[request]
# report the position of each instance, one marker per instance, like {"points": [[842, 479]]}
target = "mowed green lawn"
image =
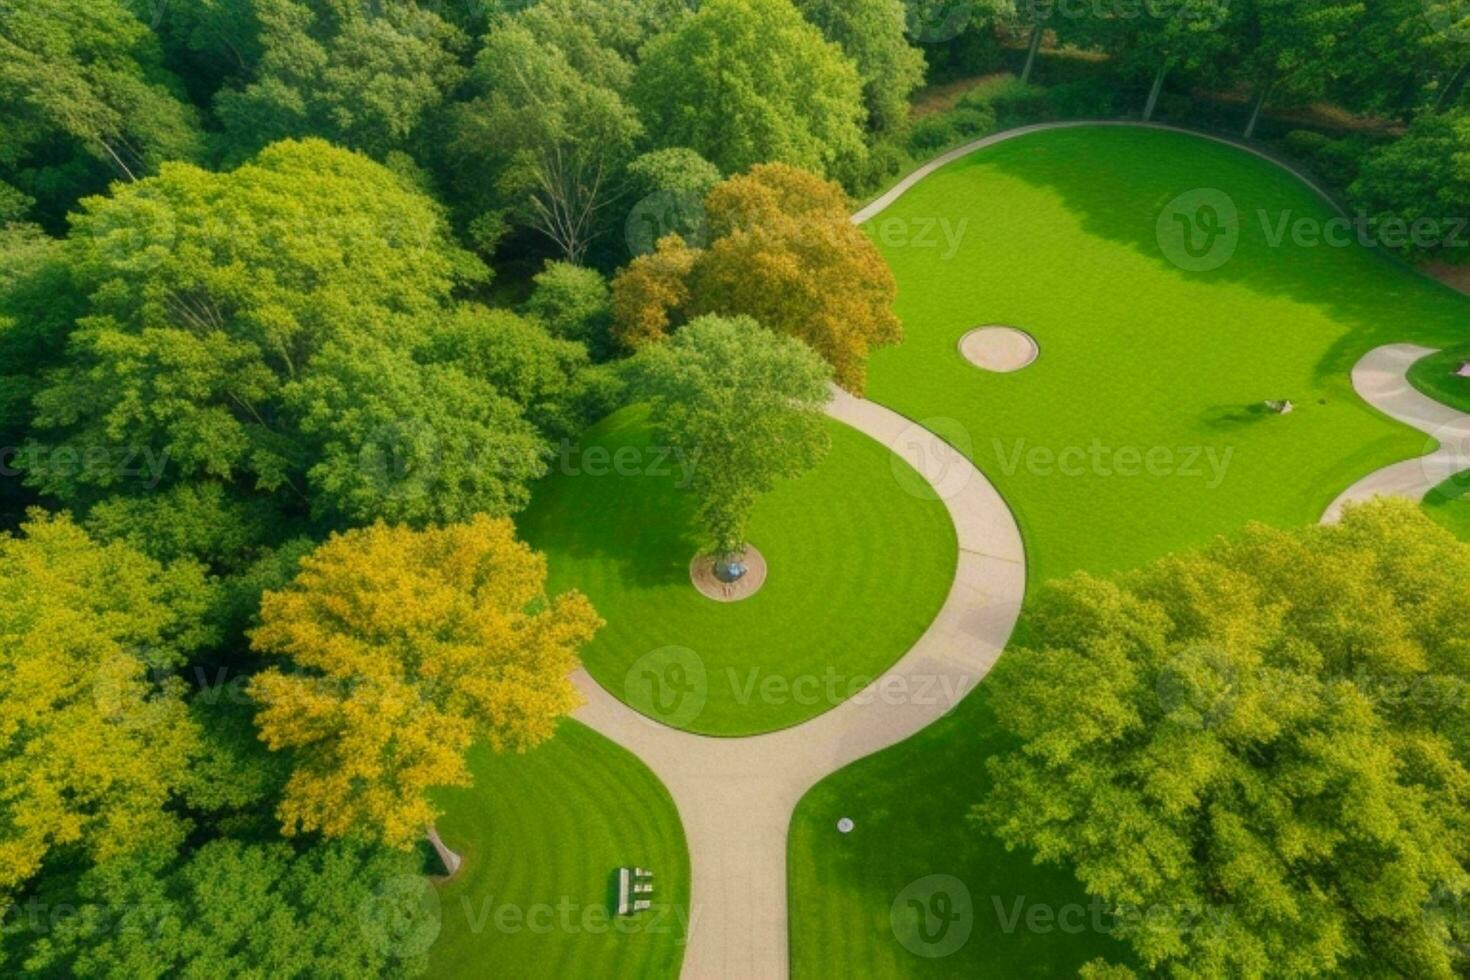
{"points": [[542, 835], [858, 568], [1138, 432], [1435, 376]]}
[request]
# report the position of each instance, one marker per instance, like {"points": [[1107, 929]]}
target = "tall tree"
{"points": [[271, 330], [1185, 36], [744, 82], [550, 118], [1289, 47], [1256, 755], [1421, 181], [743, 401], [84, 82], [363, 75], [784, 252], [94, 731], [873, 33], [403, 648]]}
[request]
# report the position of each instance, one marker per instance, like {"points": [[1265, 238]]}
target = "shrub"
{"points": [[1083, 99], [1336, 162], [1012, 101], [943, 130]]}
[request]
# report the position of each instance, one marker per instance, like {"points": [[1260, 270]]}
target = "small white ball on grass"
{"points": [[845, 825]]}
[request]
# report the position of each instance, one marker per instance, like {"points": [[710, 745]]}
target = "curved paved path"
{"points": [[1381, 379], [736, 796]]}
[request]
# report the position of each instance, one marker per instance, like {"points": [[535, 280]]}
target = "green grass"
{"points": [[1448, 503], [858, 569], [1435, 376], [1138, 356], [542, 835]]}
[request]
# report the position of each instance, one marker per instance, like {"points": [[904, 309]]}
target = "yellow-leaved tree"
{"points": [[94, 730], [404, 647], [782, 251]]}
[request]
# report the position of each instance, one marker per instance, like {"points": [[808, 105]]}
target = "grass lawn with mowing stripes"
{"points": [[1139, 431], [859, 566], [542, 835]]}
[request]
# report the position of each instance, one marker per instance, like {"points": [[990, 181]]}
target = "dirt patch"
{"points": [[1454, 276], [1000, 349]]}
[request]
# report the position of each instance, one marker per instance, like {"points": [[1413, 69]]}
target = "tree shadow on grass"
{"points": [[1133, 176], [617, 498]]}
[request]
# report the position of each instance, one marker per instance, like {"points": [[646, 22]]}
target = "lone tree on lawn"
{"points": [[1258, 755], [404, 648], [746, 404]]}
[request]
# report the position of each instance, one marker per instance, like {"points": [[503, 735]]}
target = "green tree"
{"points": [[574, 303], [1420, 180], [1256, 755], [271, 330], [1289, 48], [94, 731], [744, 82], [410, 442], [1185, 36], [668, 188], [1405, 56], [236, 908], [37, 305], [80, 83], [549, 117], [363, 75], [746, 404], [873, 33]]}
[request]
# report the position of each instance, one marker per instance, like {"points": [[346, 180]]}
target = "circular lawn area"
{"points": [[858, 568]]}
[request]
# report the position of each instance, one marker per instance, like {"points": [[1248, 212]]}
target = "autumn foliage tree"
{"points": [[1257, 755], [783, 251], [403, 648], [94, 730]]}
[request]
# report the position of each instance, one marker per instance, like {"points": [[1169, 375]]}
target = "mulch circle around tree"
{"points": [[702, 574]]}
